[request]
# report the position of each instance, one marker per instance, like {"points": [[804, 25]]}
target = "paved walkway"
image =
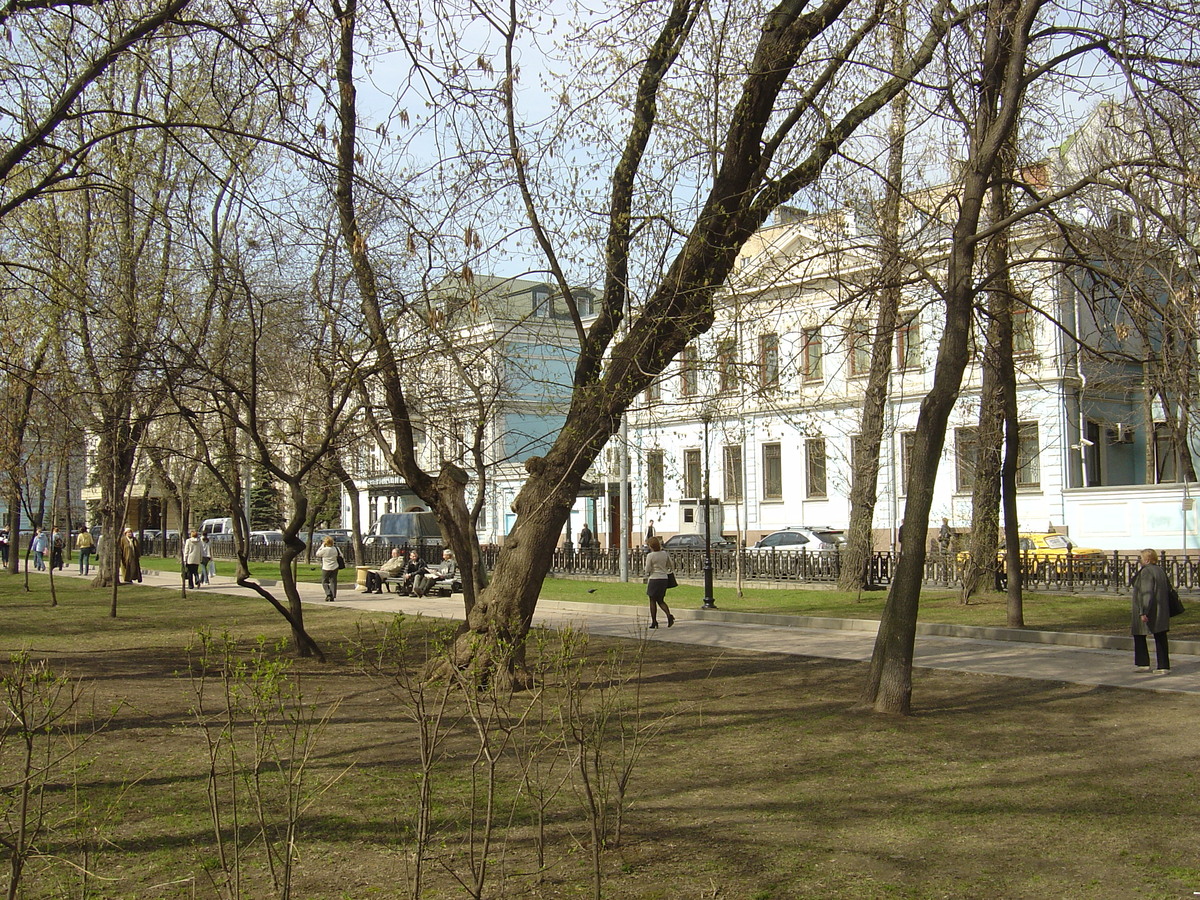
{"points": [[1079, 659]]}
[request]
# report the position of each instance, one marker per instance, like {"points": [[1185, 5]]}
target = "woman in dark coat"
{"points": [[1151, 613]]}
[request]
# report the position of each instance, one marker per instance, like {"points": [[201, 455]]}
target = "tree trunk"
{"points": [[864, 487], [889, 686]]}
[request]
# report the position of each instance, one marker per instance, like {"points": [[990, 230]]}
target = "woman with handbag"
{"points": [[660, 572], [1151, 614]]}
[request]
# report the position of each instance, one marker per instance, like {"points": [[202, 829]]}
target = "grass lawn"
{"points": [[750, 775]]}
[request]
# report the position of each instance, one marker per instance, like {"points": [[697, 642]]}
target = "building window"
{"points": [[727, 365], [687, 372], [733, 471], [858, 341], [656, 476], [693, 482], [966, 456], [908, 342], [583, 304], [1024, 329], [654, 391], [1029, 469], [1166, 454], [772, 467], [541, 302], [815, 466], [812, 354], [768, 361]]}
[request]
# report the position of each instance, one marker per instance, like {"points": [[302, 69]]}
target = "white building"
{"points": [[780, 380]]}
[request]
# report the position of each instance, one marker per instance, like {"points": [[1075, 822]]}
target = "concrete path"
{"points": [[1075, 658]]}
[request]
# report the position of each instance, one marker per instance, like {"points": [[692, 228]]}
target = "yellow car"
{"points": [[1046, 552]]}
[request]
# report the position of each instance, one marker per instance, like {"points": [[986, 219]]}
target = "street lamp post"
{"points": [[709, 603]]}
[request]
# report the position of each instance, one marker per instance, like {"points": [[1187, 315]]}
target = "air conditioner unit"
{"points": [[1120, 434]]}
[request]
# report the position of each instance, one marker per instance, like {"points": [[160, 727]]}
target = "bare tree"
{"points": [[779, 128]]}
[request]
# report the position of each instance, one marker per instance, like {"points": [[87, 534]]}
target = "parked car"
{"points": [[407, 529], [800, 537], [1048, 551], [696, 542], [266, 537], [339, 535]]}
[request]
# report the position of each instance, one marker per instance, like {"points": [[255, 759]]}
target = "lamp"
{"points": [[709, 603]]}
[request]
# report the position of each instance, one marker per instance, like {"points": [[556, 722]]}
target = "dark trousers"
{"points": [[329, 581], [1141, 652], [374, 582], [190, 572]]}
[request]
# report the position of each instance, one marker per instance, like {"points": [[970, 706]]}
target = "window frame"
{"points": [[734, 481], [693, 474], [812, 353], [772, 470], [816, 468], [656, 476], [768, 361]]}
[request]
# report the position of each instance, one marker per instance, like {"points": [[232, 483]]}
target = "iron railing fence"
{"points": [[1049, 572]]}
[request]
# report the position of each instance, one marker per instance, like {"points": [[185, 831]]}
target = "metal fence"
{"points": [[1038, 571]]}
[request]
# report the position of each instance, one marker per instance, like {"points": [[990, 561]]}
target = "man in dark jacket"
{"points": [[1151, 613]]}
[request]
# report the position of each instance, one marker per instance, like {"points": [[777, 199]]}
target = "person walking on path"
{"points": [[208, 568], [57, 545], [658, 568], [193, 556], [330, 559], [85, 545], [130, 552], [38, 545], [1151, 613]]}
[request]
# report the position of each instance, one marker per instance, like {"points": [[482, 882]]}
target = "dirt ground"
{"points": [[758, 778]]}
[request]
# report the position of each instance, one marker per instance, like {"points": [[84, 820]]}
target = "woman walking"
{"points": [[1151, 614], [329, 556], [658, 570]]}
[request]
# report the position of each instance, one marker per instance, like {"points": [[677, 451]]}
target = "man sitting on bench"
{"points": [[410, 571], [444, 577], [390, 569]]}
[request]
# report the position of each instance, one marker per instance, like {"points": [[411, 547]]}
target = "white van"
{"points": [[217, 526]]}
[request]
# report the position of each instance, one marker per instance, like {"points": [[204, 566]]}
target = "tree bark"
{"points": [[889, 685], [864, 488]]}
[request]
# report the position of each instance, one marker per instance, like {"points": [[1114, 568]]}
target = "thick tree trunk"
{"points": [[979, 572]]}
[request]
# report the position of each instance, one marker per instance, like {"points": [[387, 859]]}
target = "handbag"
{"points": [[341, 560], [672, 581], [1174, 604]]}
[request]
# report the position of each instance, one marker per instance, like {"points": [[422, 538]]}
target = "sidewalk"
{"points": [[1011, 653]]}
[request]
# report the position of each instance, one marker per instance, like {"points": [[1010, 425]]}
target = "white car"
{"points": [[800, 537]]}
